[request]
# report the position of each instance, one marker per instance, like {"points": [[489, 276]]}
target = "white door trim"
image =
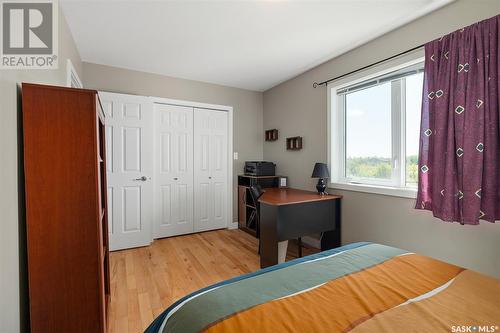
{"points": [[214, 107]]}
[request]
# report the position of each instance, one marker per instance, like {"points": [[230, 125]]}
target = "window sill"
{"points": [[376, 189]]}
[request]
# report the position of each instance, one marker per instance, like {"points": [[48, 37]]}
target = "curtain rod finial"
{"points": [[315, 85]]}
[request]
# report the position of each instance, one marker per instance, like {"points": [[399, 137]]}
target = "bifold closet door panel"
{"points": [[174, 170], [129, 162], [218, 163], [210, 169]]}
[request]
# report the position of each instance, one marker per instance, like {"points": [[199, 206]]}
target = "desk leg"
{"points": [[268, 235], [331, 238]]}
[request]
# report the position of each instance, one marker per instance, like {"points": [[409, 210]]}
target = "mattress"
{"points": [[361, 287]]}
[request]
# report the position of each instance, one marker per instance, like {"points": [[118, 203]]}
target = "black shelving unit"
{"points": [[246, 206]]}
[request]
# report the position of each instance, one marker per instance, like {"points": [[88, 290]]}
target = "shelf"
{"points": [[252, 232], [258, 177], [271, 135], [294, 143]]}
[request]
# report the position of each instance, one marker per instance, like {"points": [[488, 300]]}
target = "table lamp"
{"points": [[321, 171]]}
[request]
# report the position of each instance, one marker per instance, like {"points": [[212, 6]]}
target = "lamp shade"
{"points": [[320, 171]]}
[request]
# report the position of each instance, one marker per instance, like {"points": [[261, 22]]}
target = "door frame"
{"points": [[230, 224]]}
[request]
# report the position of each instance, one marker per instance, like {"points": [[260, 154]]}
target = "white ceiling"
{"points": [[246, 44]]}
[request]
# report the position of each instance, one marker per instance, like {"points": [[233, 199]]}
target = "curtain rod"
{"points": [[316, 84]]}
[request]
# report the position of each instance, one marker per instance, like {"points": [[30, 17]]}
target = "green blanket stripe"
{"points": [[210, 307]]}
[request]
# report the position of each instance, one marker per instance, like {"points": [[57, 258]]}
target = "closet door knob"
{"points": [[175, 178], [209, 177], [142, 179]]}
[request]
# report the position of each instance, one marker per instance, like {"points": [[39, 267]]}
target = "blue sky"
{"points": [[369, 113]]}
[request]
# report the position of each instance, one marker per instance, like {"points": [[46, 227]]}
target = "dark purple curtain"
{"points": [[459, 162]]}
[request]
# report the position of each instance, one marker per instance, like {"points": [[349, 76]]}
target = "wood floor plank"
{"points": [[145, 281]]}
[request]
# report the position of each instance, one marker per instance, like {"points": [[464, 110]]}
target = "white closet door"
{"points": [[129, 160], [174, 170], [210, 165]]}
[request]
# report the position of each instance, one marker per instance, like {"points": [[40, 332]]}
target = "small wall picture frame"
{"points": [[294, 143], [282, 181], [271, 135]]}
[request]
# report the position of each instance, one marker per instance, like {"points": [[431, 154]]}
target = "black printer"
{"points": [[260, 168]]}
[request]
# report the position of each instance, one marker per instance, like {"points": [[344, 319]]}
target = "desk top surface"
{"points": [[289, 196], [249, 176]]}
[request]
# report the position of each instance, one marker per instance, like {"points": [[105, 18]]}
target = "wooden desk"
{"points": [[289, 213]]}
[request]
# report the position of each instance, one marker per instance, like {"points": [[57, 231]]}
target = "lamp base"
{"points": [[321, 186]]}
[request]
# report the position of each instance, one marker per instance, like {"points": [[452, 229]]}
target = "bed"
{"points": [[361, 287]]}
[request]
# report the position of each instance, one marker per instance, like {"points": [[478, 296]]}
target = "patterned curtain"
{"points": [[459, 162]]}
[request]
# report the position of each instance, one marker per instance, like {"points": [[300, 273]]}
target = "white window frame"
{"points": [[72, 78], [336, 131]]}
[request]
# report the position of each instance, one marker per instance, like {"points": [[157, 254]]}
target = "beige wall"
{"points": [[247, 105], [295, 108], [13, 284]]}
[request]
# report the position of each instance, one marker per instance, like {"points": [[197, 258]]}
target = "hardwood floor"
{"points": [[145, 281]]}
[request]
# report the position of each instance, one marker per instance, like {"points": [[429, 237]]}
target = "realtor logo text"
{"points": [[29, 35]]}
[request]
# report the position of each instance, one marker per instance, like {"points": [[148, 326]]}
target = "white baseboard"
{"points": [[233, 225], [311, 241]]}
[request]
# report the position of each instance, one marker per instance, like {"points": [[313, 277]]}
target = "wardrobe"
{"points": [[66, 213], [171, 170]]}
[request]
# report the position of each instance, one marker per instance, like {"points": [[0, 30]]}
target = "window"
{"points": [[413, 105], [374, 130], [72, 79]]}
